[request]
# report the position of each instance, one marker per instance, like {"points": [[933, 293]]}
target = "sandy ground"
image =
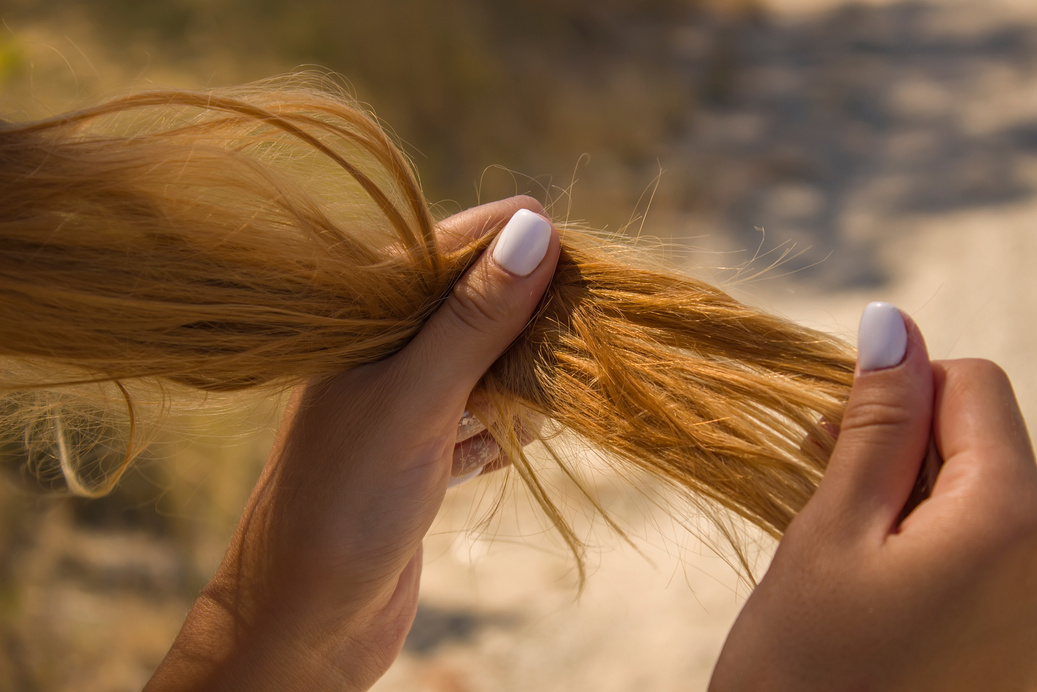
{"points": [[938, 205]]}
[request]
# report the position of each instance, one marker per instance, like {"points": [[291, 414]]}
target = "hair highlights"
{"points": [[178, 241]]}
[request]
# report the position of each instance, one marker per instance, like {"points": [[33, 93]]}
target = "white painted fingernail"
{"points": [[458, 480], [523, 243], [882, 337]]}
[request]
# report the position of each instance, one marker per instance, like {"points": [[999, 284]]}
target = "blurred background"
{"points": [[870, 150]]}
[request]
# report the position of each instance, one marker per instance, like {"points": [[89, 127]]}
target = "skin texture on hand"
{"points": [[320, 585], [945, 599]]}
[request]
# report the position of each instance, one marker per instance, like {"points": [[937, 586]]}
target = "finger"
{"points": [[477, 417], [485, 312], [474, 453], [977, 414], [482, 453], [885, 432], [480, 415], [469, 426], [454, 232]]}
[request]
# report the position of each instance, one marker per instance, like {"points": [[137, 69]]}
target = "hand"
{"points": [[320, 585], [945, 599]]}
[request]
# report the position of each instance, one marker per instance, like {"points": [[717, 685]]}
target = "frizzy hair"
{"points": [[263, 236]]}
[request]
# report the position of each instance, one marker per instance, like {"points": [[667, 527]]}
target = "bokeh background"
{"points": [[811, 154]]}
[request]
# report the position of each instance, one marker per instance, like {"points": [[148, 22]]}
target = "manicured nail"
{"points": [[475, 453], [469, 426], [523, 243], [882, 337], [458, 480]]}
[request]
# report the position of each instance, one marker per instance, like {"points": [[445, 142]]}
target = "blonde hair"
{"points": [[264, 236]]}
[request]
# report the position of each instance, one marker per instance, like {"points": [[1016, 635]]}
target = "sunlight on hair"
{"points": [[260, 237]]}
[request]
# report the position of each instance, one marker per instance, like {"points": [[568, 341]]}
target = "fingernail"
{"points": [[469, 426], [458, 480], [475, 453], [882, 337], [523, 243]]}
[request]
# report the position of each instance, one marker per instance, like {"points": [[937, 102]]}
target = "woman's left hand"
{"points": [[320, 585]]}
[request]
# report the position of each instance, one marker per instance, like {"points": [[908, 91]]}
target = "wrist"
{"points": [[222, 647]]}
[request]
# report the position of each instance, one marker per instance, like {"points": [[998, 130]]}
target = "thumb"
{"points": [[487, 309], [885, 431]]}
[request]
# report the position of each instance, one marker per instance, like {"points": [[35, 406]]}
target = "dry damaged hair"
{"points": [[261, 237]]}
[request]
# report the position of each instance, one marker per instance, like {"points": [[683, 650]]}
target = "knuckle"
{"points": [[473, 309], [878, 413], [1006, 534], [982, 369], [966, 377], [1004, 518], [1019, 513]]}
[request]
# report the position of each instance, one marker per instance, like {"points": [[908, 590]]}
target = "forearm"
{"points": [[217, 649]]}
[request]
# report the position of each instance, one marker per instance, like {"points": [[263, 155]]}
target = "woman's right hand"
{"points": [[944, 600]]}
